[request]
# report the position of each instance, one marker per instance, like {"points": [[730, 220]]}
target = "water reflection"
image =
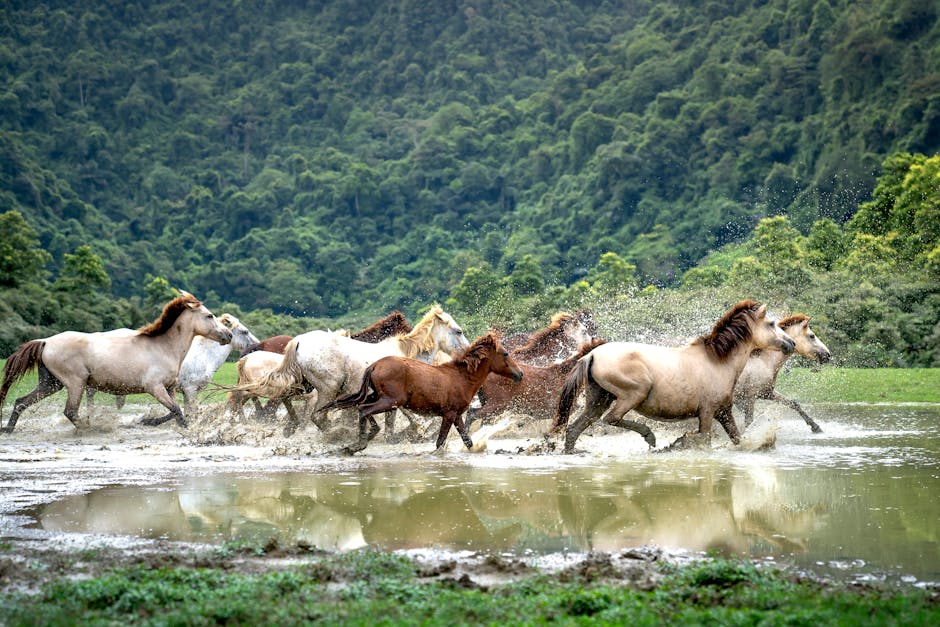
{"points": [[859, 494]]}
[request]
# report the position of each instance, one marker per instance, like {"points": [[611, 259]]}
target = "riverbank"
{"points": [[297, 585]]}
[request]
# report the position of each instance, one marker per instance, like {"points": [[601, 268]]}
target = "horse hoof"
{"points": [[6, 429], [816, 428]]}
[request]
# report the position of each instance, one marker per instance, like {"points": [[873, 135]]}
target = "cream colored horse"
{"points": [[759, 377], [333, 364], [146, 362], [670, 384]]}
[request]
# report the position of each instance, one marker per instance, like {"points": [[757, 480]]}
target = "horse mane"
{"points": [[228, 320], [171, 312], [794, 319], [477, 351], [731, 330], [419, 339], [383, 328], [542, 335]]}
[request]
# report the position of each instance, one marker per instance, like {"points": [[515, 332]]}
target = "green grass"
{"points": [[862, 385], [375, 588]]}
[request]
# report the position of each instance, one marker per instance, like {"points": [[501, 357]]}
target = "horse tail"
{"points": [[284, 380], [580, 374], [353, 398], [25, 359]]}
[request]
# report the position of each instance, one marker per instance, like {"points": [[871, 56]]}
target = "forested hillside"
{"points": [[345, 158]]}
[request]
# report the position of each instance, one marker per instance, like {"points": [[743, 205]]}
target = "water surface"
{"points": [[859, 499]]}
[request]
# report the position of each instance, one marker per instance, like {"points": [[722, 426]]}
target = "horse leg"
{"points": [[293, 420], [390, 428], [616, 418], [47, 384], [119, 401], [796, 407], [74, 399], [747, 406], [726, 419], [596, 402], [446, 422], [368, 427], [462, 430], [166, 399]]}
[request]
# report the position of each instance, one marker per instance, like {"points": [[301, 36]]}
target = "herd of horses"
{"points": [[430, 369]]}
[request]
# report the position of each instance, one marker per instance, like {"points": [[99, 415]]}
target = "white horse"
{"points": [[333, 364], [202, 360], [759, 377]]}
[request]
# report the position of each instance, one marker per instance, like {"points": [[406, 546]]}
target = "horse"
{"points": [[759, 377], [534, 395], [254, 368], [332, 363], [443, 390], [392, 324], [670, 383], [203, 358], [559, 340], [274, 344], [146, 362]]}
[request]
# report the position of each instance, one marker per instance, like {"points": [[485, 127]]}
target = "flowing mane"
{"points": [[171, 312], [477, 352], [789, 321], [393, 322], [553, 329], [731, 330], [421, 339]]}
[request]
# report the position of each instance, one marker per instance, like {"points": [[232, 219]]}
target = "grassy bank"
{"points": [[376, 588], [825, 385]]}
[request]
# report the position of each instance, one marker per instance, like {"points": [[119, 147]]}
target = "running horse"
{"points": [[535, 395], [563, 336], [332, 363], [257, 361], [146, 362], [669, 383], [758, 380], [443, 390]]}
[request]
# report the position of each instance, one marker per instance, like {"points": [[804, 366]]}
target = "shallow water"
{"points": [[856, 501]]}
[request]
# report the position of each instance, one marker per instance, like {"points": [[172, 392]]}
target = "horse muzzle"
{"points": [[224, 338], [517, 375], [787, 346], [823, 356]]}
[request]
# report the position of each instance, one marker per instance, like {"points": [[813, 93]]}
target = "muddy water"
{"points": [[859, 500]]}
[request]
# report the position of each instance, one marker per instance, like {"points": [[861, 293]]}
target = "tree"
{"points": [[83, 271], [613, 275], [526, 277], [22, 259]]}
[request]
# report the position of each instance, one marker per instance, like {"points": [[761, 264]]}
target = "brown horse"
{"points": [[670, 384], [444, 390], [147, 361], [274, 344], [535, 395], [563, 336], [758, 380]]}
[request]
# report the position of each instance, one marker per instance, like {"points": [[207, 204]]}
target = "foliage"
{"points": [[345, 589]]}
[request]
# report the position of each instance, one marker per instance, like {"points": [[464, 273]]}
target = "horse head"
{"points": [[242, 338], [767, 333], [807, 343], [205, 323], [489, 347], [438, 332]]}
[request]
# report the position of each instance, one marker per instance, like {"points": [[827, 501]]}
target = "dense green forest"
{"points": [[302, 163]]}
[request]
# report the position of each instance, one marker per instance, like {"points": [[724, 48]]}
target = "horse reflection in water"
{"points": [[582, 509]]}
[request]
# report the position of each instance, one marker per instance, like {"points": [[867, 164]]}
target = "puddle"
{"points": [[856, 501]]}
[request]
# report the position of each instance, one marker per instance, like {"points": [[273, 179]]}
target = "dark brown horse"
{"points": [[563, 336], [273, 344], [392, 324], [444, 390], [535, 395]]}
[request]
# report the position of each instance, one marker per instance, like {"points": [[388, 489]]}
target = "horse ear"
{"points": [[762, 312]]}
